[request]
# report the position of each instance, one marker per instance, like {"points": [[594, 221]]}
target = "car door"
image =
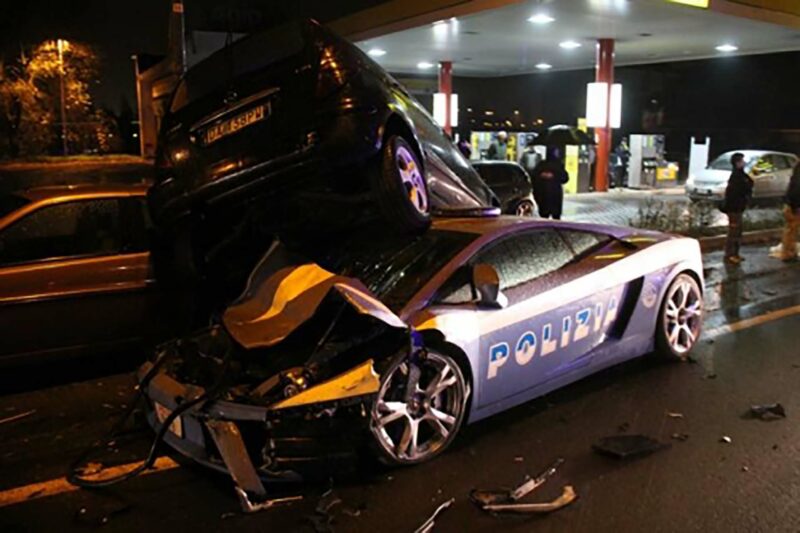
{"points": [[763, 174], [783, 173], [71, 277], [547, 329]]}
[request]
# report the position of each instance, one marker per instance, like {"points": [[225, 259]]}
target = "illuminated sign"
{"points": [[602, 107], [439, 106], [694, 3]]}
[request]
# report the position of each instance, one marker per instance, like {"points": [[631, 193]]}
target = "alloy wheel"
{"points": [[683, 315], [413, 180], [419, 409]]}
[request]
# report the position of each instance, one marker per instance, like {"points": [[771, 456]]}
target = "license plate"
{"points": [[162, 413], [240, 121]]}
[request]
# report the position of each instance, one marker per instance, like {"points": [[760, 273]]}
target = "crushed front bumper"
{"points": [[254, 443]]}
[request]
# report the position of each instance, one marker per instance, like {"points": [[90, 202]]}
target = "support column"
{"points": [[604, 74], [446, 87]]}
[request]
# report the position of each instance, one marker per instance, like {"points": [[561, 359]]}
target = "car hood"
{"points": [[708, 175], [276, 304]]}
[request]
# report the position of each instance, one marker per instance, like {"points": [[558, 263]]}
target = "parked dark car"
{"points": [[75, 275], [290, 129], [511, 184]]}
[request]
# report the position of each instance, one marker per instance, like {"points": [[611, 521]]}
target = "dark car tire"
{"points": [[680, 318], [435, 417], [524, 208], [400, 187]]}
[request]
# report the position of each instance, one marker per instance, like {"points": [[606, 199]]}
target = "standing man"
{"points": [[548, 178], [791, 211], [737, 196], [499, 147]]}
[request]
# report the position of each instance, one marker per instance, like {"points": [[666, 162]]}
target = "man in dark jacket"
{"points": [[498, 150], [791, 211], [737, 195], [548, 178]]}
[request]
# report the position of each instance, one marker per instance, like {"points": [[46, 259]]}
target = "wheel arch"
{"points": [[437, 340], [398, 125]]}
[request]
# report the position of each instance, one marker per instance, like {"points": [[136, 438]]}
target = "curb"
{"points": [[717, 242]]}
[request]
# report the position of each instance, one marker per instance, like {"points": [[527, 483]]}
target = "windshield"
{"points": [[723, 162], [394, 269], [10, 203]]}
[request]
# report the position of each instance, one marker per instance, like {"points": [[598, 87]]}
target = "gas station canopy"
{"points": [[525, 37]]}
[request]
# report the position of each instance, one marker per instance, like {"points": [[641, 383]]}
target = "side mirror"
{"points": [[487, 284]]}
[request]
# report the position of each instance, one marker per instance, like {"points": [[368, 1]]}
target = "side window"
{"points": [[136, 225], [764, 165], [73, 229], [782, 162], [582, 241], [525, 257]]}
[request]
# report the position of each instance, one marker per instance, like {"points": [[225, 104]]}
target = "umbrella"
{"points": [[562, 135]]}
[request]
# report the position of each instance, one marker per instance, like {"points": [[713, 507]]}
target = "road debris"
{"points": [[624, 427], [322, 518], [683, 437], [507, 500], [567, 496], [710, 375], [674, 415], [16, 417], [766, 412], [628, 446], [726, 439], [427, 526], [101, 510], [491, 497], [745, 469]]}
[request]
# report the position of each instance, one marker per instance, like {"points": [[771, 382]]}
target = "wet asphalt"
{"points": [[700, 483]]}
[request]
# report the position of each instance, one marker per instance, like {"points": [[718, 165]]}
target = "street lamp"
{"points": [[62, 45]]}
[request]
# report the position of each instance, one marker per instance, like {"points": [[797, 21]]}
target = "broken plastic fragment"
{"points": [[680, 436], [427, 526], [772, 411], [674, 415], [726, 439], [492, 497], [568, 496], [627, 446]]}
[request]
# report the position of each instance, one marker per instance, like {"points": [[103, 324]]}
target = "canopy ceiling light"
{"points": [[727, 48], [376, 52], [425, 65], [597, 112], [693, 3], [544, 66], [570, 45], [541, 18]]}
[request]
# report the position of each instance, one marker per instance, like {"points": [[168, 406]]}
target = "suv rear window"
{"points": [[248, 54]]}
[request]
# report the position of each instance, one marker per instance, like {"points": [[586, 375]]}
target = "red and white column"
{"points": [[604, 74]]}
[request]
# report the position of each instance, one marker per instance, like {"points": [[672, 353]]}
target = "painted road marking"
{"points": [[751, 322], [52, 487]]}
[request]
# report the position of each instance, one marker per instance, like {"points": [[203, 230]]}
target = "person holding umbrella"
{"points": [[548, 178]]}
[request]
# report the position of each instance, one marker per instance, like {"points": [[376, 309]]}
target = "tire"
{"points": [[411, 430], [524, 209], [400, 187], [680, 318]]}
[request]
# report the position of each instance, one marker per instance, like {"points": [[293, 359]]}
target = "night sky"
{"points": [[116, 28]]}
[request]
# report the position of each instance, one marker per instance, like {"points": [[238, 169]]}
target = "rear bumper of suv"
{"points": [[345, 142]]}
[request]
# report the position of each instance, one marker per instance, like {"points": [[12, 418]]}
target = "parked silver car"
{"points": [[770, 172]]}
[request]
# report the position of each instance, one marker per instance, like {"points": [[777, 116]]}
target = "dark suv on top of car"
{"points": [[296, 128]]}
